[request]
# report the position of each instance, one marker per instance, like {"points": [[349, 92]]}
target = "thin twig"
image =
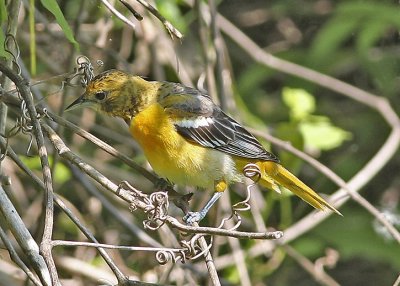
{"points": [[68, 155], [170, 28], [132, 10], [212, 270], [223, 232], [118, 14], [397, 282], [55, 243], [319, 276]]}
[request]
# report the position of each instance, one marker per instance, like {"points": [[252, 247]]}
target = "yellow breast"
{"points": [[174, 158]]}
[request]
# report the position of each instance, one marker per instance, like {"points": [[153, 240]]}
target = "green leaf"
{"points": [[319, 133], [300, 102], [3, 17], [371, 33], [3, 11], [32, 38], [53, 7], [331, 37], [370, 11], [61, 172]]}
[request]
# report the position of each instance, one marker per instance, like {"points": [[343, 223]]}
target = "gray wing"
{"points": [[200, 121], [226, 135]]}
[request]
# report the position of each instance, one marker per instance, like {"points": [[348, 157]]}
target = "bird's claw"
{"points": [[192, 217]]}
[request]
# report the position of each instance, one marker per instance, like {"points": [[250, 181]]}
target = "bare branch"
{"points": [[223, 232], [397, 282], [118, 14], [319, 275], [170, 28], [24, 238], [15, 257], [212, 270], [23, 88]]}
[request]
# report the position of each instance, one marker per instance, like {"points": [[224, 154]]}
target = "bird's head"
{"points": [[115, 93]]}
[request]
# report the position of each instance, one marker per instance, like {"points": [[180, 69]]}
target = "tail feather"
{"points": [[281, 176]]}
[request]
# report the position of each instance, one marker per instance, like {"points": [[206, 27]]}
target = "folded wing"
{"points": [[200, 121]]}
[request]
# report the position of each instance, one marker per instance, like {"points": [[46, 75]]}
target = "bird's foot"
{"points": [[192, 217]]}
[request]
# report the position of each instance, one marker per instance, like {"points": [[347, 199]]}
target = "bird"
{"points": [[187, 138]]}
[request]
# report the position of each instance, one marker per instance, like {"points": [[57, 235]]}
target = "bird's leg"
{"points": [[192, 217]]}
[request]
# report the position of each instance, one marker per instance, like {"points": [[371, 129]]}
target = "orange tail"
{"points": [[274, 174]]}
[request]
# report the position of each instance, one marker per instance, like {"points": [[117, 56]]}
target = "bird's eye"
{"points": [[100, 95]]}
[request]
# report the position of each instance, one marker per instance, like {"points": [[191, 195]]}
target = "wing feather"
{"points": [[200, 121]]}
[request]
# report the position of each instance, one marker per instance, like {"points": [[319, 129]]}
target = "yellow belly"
{"points": [[176, 159]]}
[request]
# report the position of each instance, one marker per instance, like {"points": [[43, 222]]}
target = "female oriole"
{"points": [[186, 138]]}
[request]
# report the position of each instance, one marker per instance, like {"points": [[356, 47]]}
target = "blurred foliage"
{"points": [[352, 40], [367, 25], [315, 130], [61, 172]]}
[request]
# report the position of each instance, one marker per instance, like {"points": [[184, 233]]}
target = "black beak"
{"points": [[77, 103]]}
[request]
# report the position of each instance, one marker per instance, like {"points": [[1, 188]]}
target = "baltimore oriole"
{"points": [[186, 138]]}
